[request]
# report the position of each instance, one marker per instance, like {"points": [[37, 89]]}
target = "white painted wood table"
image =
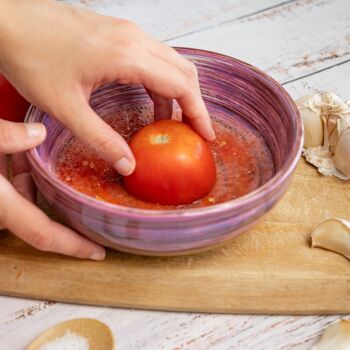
{"points": [[305, 45]]}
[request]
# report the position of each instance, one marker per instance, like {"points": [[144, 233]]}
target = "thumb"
{"points": [[90, 129], [18, 137]]}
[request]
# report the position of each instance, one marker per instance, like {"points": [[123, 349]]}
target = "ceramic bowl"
{"points": [[232, 89]]}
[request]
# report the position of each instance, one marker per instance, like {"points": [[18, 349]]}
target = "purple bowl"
{"points": [[231, 89]]}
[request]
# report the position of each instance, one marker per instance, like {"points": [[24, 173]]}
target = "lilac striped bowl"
{"points": [[231, 89]]}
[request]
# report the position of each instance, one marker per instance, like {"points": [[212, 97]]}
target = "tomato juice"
{"points": [[243, 163]]}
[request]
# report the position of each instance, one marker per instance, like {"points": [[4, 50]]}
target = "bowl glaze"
{"points": [[230, 87]]}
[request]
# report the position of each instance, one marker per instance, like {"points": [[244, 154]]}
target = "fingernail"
{"points": [[123, 166], [97, 256], [35, 131]]}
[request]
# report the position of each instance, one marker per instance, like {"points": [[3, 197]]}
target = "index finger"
{"points": [[167, 80], [192, 104]]}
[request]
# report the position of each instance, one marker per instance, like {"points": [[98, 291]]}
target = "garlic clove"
{"points": [[342, 153], [333, 110], [343, 124], [333, 234], [310, 111], [332, 122], [335, 337]]}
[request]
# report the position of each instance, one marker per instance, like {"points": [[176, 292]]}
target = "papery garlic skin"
{"points": [[342, 153], [343, 124], [326, 117], [333, 234], [310, 111], [320, 157], [335, 337], [334, 110]]}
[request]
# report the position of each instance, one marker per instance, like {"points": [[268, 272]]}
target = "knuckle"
{"points": [[41, 240], [101, 144], [186, 88], [128, 25], [134, 71], [191, 70], [105, 147]]}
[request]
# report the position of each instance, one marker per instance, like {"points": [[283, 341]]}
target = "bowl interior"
{"points": [[235, 93]]}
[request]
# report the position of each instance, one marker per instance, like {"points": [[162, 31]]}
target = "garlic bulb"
{"points": [[333, 234], [342, 153], [326, 118], [310, 112], [333, 111], [335, 337]]}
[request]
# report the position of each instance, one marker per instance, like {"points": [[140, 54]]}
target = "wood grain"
{"points": [[137, 329], [270, 269], [286, 41], [169, 19], [334, 79]]}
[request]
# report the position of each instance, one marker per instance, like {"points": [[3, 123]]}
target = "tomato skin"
{"points": [[13, 106], [174, 165]]}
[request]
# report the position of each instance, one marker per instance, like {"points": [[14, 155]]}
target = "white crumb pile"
{"points": [[68, 341]]}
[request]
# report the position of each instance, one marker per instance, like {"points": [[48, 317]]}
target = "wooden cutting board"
{"points": [[270, 269]]}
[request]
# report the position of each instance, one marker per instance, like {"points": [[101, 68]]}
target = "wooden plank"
{"points": [[286, 42], [160, 330], [270, 269], [135, 330], [172, 18], [334, 79]]}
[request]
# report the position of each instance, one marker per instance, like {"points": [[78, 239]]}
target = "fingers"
{"points": [[200, 122], [20, 164], [32, 225], [90, 129], [171, 56], [191, 102], [165, 79], [22, 180], [35, 228], [163, 107], [17, 137], [24, 185]]}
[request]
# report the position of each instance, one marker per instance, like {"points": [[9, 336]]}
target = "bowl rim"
{"points": [[246, 200]]}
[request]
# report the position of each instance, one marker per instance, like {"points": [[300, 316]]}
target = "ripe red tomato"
{"points": [[12, 105], [174, 165]]}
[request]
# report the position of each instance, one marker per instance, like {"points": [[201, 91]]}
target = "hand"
{"points": [[17, 211], [57, 55]]}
